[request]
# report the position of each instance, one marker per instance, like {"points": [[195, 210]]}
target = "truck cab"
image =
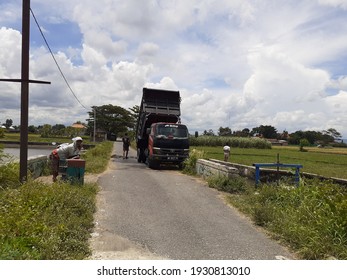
{"points": [[167, 143]]}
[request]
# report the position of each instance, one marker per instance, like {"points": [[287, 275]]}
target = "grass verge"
{"points": [[309, 219], [49, 221], [41, 221]]}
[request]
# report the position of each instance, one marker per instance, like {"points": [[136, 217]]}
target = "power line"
{"points": [[56, 62]]}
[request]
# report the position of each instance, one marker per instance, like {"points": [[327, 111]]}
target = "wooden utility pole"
{"points": [[23, 158], [23, 169], [94, 125]]}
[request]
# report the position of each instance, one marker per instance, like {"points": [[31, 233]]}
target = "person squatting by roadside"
{"points": [[126, 144], [63, 152], [226, 151]]}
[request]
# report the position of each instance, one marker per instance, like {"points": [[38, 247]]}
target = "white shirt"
{"points": [[68, 151]]}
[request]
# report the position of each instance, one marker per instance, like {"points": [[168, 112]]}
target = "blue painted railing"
{"points": [[278, 166]]}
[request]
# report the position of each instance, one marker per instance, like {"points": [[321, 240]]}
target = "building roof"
{"points": [[78, 125]]}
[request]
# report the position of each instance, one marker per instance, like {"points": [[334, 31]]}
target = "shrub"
{"points": [[40, 221], [9, 177], [190, 163], [303, 143], [98, 157], [310, 218]]}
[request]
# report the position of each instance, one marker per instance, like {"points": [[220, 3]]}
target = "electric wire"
{"points": [[56, 62]]}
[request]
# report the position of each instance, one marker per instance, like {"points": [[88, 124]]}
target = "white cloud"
{"points": [[10, 12], [334, 3], [10, 52], [237, 63]]}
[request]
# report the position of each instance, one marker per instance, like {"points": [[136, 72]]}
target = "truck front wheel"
{"points": [[153, 164]]}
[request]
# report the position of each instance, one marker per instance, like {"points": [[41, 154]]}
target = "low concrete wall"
{"points": [[322, 178], [243, 170], [213, 166], [36, 165], [207, 168], [40, 145]]}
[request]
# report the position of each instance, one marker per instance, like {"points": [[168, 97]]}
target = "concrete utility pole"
{"points": [[93, 119]]}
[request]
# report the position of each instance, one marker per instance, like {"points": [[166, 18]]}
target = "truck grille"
{"points": [[172, 151]]}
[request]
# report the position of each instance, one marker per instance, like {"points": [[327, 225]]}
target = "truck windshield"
{"points": [[172, 131]]}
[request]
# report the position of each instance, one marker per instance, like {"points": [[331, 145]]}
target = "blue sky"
{"points": [[240, 63]]}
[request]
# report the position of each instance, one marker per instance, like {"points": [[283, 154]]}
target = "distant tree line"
{"points": [[111, 119], [115, 121], [269, 132]]}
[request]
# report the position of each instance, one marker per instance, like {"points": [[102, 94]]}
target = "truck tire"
{"points": [[152, 164]]}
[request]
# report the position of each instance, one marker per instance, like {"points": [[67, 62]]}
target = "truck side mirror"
{"points": [[148, 130]]}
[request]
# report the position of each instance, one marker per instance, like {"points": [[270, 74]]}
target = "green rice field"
{"points": [[328, 162]]}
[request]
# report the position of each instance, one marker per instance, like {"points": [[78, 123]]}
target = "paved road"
{"points": [[162, 214]]}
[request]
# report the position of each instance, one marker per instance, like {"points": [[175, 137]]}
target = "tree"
{"points": [[332, 132], [266, 131], [241, 133], [46, 131], [245, 132], [8, 123], [209, 132], [224, 131], [135, 113], [32, 129], [58, 129], [313, 137], [112, 119]]}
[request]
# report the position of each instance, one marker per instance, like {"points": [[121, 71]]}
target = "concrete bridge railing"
{"points": [[210, 167]]}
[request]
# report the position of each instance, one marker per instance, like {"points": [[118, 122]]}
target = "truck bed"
{"points": [[157, 105], [162, 102]]}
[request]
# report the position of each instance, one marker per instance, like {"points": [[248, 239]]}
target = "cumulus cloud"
{"points": [[237, 63], [334, 3]]}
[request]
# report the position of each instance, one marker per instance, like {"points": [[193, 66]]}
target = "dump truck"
{"points": [[160, 136]]}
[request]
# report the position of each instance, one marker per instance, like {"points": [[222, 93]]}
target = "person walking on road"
{"points": [[63, 152], [126, 144]]}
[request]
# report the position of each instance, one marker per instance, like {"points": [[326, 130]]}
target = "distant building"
{"points": [[80, 128], [276, 142]]}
